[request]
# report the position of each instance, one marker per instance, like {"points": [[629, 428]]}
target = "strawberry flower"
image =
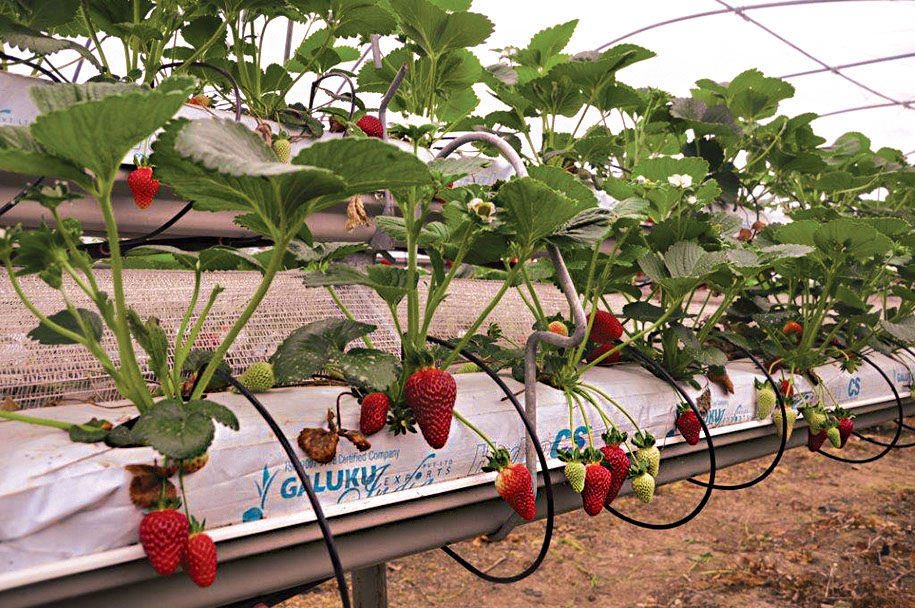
{"points": [[680, 181], [484, 210]]}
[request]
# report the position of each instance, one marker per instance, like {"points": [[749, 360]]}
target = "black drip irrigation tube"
{"points": [[784, 435], [32, 65], [349, 81], [547, 486], [303, 477], [663, 374], [899, 422]]}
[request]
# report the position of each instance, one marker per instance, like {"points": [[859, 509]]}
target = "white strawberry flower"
{"points": [[680, 181], [483, 209], [641, 179], [691, 199]]}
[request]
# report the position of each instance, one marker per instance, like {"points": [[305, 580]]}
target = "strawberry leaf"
{"points": [[45, 335], [174, 430]]}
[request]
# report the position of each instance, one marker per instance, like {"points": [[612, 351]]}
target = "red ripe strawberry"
{"points": [[845, 423], [163, 534], [599, 350], [614, 455], [792, 328], [558, 327], [374, 413], [618, 461], [371, 126], [606, 328], [786, 388], [200, 559], [430, 393], [513, 483], [688, 424], [598, 482], [815, 440], [143, 185]]}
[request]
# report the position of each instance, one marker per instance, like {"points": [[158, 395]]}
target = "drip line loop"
{"points": [[547, 486], [663, 374], [899, 421], [784, 436], [303, 477]]}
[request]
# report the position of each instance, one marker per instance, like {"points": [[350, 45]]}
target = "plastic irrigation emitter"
{"points": [[547, 483], [303, 477], [784, 434], [663, 374], [899, 421]]}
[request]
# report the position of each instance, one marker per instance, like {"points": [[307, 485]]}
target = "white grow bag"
{"points": [[63, 500]]}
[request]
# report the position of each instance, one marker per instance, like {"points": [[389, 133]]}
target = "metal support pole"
{"points": [[370, 587]]}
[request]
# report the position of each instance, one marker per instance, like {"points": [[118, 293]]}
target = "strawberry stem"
{"points": [[473, 428]]}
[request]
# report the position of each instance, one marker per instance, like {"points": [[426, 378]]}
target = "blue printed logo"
{"points": [[854, 386], [263, 489]]}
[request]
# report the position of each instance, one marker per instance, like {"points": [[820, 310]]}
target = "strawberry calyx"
{"points": [[195, 526], [614, 437], [683, 407], [637, 468], [497, 460], [643, 439], [567, 455], [592, 455], [141, 160], [841, 413]]}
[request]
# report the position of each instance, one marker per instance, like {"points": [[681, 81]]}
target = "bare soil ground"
{"points": [[816, 534]]}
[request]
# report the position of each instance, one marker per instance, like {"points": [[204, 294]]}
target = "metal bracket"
{"points": [[530, 349]]}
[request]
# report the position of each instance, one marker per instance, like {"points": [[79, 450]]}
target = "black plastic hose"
{"points": [[784, 435], [899, 421], [547, 486], [663, 374], [303, 477]]}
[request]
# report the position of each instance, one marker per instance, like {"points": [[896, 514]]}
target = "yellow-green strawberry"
{"points": [[765, 399], [282, 147], [467, 368], [647, 452], [575, 473], [777, 419], [815, 417], [258, 378], [835, 437], [642, 482]]}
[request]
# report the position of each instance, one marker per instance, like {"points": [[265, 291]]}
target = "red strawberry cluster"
{"points": [[168, 540], [143, 186], [513, 483], [605, 331]]}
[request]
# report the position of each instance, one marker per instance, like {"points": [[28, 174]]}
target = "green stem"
{"points": [[182, 352], [473, 428], [346, 313], [455, 353], [129, 365], [179, 337], [670, 310], [91, 28], [219, 34], [600, 411], [612, 402], [54, 424], [541, 315], [276, 262], [584, 415]]}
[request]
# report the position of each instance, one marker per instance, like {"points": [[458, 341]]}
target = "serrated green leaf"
{"points": [[308, 349], [46, 335], [217, 412], [642, 311], [435, 31], [533, 210], [20, 36], [368, 369], [96, 125], [20, 153], [175, 431]]}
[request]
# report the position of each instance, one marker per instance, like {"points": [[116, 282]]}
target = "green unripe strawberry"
{"points": [[642, 482], [777, 420], [575, 473], [835, 437], [467, 368], [765, 400], [647, 452], [258, 378], [815, 417], [282, 147]]}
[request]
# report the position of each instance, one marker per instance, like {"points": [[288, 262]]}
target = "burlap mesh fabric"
{"points": [[36, 375]]}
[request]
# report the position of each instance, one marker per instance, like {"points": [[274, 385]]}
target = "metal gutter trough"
{"points": [[270, 555]]}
